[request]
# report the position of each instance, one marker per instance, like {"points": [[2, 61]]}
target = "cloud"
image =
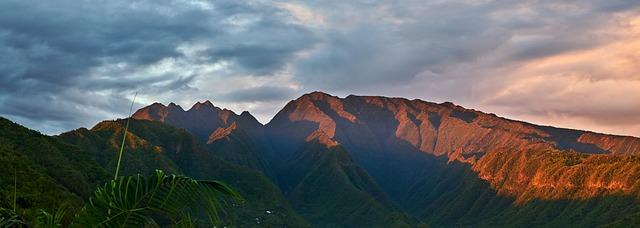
{"points": [[260, 94], [567, 63], [377, 43], [302, 14], [595, 88], [51, 52]]}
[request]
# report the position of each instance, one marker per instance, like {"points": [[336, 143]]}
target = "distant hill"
{"points": [[49, 171]]}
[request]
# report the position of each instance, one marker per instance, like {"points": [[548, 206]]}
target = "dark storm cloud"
{"points": [[70, 107], [105, 50], [259, 59]]}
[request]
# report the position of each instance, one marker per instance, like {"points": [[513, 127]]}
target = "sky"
{"points": [[71, 63]]}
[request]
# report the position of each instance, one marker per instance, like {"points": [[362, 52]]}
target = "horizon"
{"points": [[566, 64], [265, 122]]}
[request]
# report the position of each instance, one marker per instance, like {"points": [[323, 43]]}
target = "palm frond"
{"points": [[51, 220], [134, 201], [186, 222], [9, 218]]}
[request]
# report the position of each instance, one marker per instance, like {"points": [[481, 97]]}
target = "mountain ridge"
{"points": [[445, 104], [401, 143], [372, 161], [460, 112]]}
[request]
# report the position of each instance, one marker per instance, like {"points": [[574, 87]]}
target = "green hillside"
{"points": [[330, 190], [152, 145], [241, 149], [64, 170], [323, 186], [49, 172], [454, 195]]}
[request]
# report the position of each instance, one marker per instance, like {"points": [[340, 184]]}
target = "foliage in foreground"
{"points": [[9, 218], [141, 201], [135, 201]]}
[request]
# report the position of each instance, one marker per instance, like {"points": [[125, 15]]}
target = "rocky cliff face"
{"points": [[551, 174], [438, 129], [236, 138], [203, 120], [396, 141]]}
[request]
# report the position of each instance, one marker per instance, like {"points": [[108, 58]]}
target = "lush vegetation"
{"points": [[50, 173], [324, 186], [320, 178], [153, 145], [132, 201], [454, 194], [137, 201]]}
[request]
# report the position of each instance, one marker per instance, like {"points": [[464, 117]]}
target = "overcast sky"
{"points": [[68, 64]]}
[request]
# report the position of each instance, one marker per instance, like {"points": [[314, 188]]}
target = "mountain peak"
{"points": [[201, 120], [157, 105], [247, 116], [173, 105], [317, 95], [203, 105], [155, 111]]}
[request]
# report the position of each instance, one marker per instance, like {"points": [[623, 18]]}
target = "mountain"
{"points": [[438, 129], [242, 140], [201, 120], [413, 149], [235, 138], [357, 161]]}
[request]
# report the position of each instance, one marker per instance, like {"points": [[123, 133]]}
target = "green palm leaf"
{"points": [[51, 220], [9, 218], [136, 201]]}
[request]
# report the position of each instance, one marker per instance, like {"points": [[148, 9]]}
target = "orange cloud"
{"points": [[596, 89]]}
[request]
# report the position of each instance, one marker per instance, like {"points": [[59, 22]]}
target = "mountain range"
{"points": [[357, 161]]}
